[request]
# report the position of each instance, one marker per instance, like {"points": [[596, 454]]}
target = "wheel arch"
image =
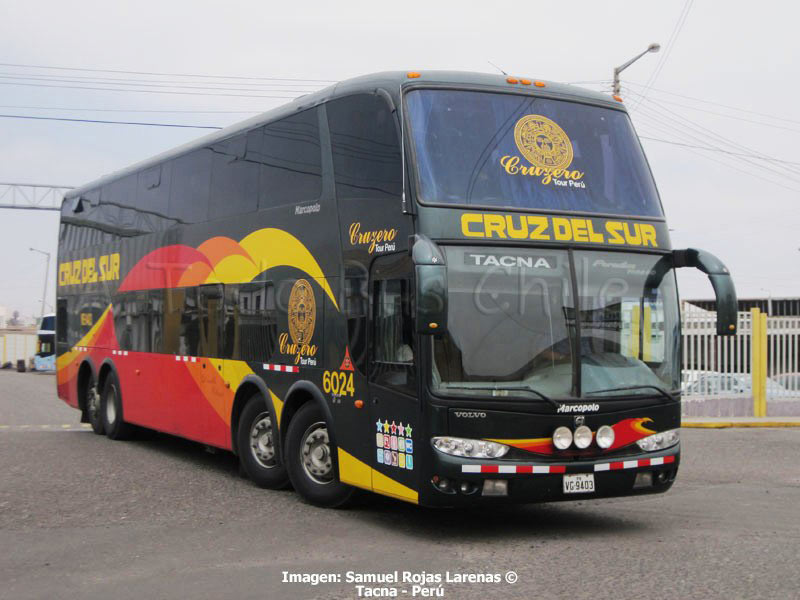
{"points": [[300, 393], [250, 385], [106, 368]]}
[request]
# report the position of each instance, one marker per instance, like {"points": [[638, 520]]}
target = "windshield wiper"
{"points": [[661, 391], [509, 388]]}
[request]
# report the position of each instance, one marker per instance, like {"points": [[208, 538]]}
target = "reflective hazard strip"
{"points": [[553, 469], [635, 464], [514, 469], [281, 368]]}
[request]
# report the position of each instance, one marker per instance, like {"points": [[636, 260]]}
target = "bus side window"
{"points": [[365, 147], [156, 301], [231, 323], [61, 321], [234, 180], [258, 321], [191, 185], [209, 303], [392, 336], [356, 305], [289, 157]]}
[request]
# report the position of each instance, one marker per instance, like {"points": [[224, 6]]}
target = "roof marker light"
{"points": [[539, 83], [525, 81], [512, 80], [412, 75], [617, 98]]}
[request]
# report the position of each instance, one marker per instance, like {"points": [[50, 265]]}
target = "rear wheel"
{"points": [[256, 442], [111, 410], [310, 460], [91, 401]]}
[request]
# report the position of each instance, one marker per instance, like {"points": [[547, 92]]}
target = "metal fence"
{"points": [[754, 373], [15, 346]]}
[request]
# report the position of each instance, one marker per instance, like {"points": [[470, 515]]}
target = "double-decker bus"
{"points": [[448, 288]]}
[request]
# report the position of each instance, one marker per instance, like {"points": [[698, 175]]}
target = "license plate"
{"points": [[582, 483]]}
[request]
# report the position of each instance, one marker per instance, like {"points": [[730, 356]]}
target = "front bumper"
{"points": [[530, 481]]}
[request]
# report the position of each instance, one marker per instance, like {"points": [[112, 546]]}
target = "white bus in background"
{"points": [[45, 357]]}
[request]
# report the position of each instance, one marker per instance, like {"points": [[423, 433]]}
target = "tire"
{"points": [[255, 442], [111, 410], [91, 402], [310, 461]]}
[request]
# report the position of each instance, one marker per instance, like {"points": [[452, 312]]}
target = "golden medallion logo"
{"points": [[543, 142], [547, 148], [302, 313]]}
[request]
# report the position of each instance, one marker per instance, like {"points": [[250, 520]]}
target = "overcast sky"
{"points": [[742, 206]]}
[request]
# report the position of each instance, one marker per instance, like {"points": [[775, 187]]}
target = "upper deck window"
{"points": [[520, 151]]}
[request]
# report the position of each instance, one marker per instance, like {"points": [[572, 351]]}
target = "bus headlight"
{"points": [[582, 437], [660, 441], [562, 438], [605, 437], [469, 448]]}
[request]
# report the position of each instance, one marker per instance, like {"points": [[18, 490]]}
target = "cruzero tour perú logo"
{"points": [[547, 148], [302, 313]]}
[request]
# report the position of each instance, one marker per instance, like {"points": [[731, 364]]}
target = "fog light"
{"points": [[605, 437], [562, 438], [495, 487], [583, 437], [643, 479]]}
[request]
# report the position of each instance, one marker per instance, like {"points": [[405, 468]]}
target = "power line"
{"points": [[107, 122], [681, 121], [753, 112], [124, 80], [673, 38], [150, 85], [89, 70], [76, 87], [712, 149], [719, 114], [130, 110]]}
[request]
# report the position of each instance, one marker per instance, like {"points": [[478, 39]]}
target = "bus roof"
{"points": [[392, 81]]}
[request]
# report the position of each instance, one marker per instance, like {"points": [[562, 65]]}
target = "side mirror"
{"points": [[721, 281], [431, 286], [718, 274], [431, 299]]}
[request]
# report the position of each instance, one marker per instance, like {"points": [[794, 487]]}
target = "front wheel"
{"points": [[255, 440], [310, 461]]}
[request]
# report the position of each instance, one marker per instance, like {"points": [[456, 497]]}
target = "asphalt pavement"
{"points": [[158, 517]]}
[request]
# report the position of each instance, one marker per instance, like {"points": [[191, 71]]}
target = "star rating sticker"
{"points": [[400, 429], [379, 425], [408, 430], [386, 427], [394, 428]]}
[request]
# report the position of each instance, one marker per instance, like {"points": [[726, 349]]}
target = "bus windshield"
{"points": [[520, 151], [512, 325]]}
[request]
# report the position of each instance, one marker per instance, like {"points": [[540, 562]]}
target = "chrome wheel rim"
{"points": [[316, 455], [111, 407], [262, 442]]}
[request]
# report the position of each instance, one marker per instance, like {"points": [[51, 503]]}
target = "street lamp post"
{"points": [[621, 68], [46, 276]]}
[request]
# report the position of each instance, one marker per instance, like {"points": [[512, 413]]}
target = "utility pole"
{"points": [[46, 277], [617, 70]]}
